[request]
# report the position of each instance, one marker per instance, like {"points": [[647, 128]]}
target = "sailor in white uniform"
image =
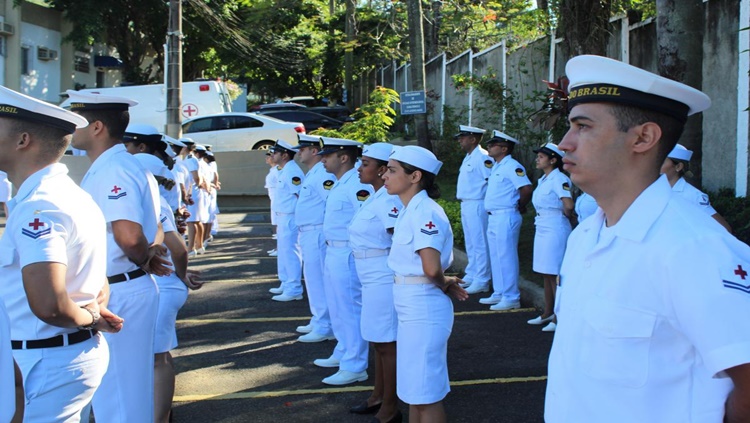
{"points": [[585, 207], [508, 192], [6, 190], [422, 250], [470, 189], [675, 166], [653, 305], [554, 209], [128, 196], [52, 266], [289, 263], [308, 216], [345, 299], [272, 179]]}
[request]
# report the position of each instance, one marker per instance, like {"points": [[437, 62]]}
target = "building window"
{"points": [[25, 60], [82, 63]]}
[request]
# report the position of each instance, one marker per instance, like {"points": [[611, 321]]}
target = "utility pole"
{"points": [[174, 70], [351, 7], [416, 50]]}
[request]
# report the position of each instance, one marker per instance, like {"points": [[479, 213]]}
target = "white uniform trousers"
{"points": [[474, 223], [289, 259], [344, 295], [59, 382], [126, 393], [313, 255], [503, 231]]}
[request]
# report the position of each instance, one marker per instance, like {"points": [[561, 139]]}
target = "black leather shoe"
{"points": [[365, 409], [397, 418]]}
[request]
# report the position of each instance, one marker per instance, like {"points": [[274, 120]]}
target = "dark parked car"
{"points": [[311, 120], [276, 106], [337, 112]]}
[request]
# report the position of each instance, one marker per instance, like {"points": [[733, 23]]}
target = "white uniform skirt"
{"points": [[172, 296], [379, 321], [550, 239], [425, 321], [199, 209]]}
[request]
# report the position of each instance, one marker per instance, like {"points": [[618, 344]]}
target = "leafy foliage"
{"points": [[453, 211], [372, 121], [736, 211]]}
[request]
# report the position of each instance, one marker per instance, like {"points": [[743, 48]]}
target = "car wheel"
{"points": [[263, 145]]}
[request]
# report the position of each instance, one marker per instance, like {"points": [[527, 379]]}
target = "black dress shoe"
{"points": [[397, 418], [365, 409]]}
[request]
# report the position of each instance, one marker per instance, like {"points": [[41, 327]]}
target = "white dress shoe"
{"points": [[202, 250], [273, 253], [276, 291], [303, 329], [490, 300], [193, 253], [539, 320], [315, 337], [327, 362], [506, 305], [476, 289], [285, 298], [550, 327], [345, 377]]}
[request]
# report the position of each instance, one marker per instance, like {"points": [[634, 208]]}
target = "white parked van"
{"points": [[199, 98]]}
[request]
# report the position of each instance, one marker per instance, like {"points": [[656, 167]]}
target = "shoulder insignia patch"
{"points": [[704, 200], [278, 167], [566, 186], [117, 194], [740, 283], [429, 230], [328, 184], [296, 180], [363, 195], [488, 164], [39, 229], [520, 171], [393, 212]]}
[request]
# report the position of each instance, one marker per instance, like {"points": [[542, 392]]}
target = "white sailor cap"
{"points": [[187, 141], [282, 146], [142, 133], [418, 157], [679, 152], [305, 140], [172, 141], [332, 145], [379, 151], [469, 130], [498, 136], [200, 147], [81, 101], [19, 106], [152, 163], [550, 149], [596, 79]]}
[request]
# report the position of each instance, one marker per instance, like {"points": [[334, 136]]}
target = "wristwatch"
{"points": [[95, 316]]}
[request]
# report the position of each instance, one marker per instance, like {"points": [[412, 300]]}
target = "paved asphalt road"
{"points": [[238, 360]]}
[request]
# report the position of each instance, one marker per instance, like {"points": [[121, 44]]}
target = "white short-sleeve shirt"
{"points": [[506, 178], [551, 190], [693, 195], [651, 311], [421, 224], [345, 198], [585, 206], [473, 174], [311, 204], [290, 179], [51, 220], [370, 224]]}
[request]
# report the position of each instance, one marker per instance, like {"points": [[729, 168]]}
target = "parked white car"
{"points": [[240, 131]]}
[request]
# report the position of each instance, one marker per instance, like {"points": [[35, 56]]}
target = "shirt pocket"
{"points": [[366, 215], [335, 205], [403, 237], [616, 343]]}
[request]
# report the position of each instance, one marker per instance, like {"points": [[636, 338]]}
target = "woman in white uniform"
{"points": [[675, 166], [370, 238], [554, 209], [422, 249], [173, 289], [272, 178], [213, 210]]}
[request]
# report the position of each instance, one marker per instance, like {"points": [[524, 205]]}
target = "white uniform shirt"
{"points": [[272, 179], [124, 190], [473, 174], [6, 188], [693, 195], [290, 179], [421, 224], [191, 165], [166, 218], [370, 223], [345, 198], [506, 179], [585, 206], [51, 220], [311, 205], [551, 190], [7, 380], [650, 312]]}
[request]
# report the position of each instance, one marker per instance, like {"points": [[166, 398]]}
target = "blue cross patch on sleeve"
{"points": [[117, 194], [39, 229], [741, 283], [429, 230]]}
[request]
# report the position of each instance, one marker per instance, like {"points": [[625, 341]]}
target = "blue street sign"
{"points": [[413, 103]]}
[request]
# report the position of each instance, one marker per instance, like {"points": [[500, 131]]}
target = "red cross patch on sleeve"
{"points": [[429, 230], [393, 212], [117, 193], [738, 280], [38, 229]]}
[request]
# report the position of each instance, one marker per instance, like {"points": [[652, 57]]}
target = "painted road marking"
{"points": [[328, 391]]}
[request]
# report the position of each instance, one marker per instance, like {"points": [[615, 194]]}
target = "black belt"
{"points": [[55, 341], [122, 277]]}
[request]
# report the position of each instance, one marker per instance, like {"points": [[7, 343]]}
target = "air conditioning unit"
{"points": [[6, 29], [43, 53]]}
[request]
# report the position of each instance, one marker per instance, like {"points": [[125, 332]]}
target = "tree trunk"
{"points": [[679, 32], [584, 24], [416, 50], [174, 73], [351, 6]]}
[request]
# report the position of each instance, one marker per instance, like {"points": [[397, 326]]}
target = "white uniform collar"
{"points": [[105, 156], [346, 176], [34, 180], [418, 198], [679, 186]]}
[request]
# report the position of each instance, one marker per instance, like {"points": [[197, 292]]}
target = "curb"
{"points": [[531, 293]]}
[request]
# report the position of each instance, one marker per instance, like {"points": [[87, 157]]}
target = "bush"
{"points": [[453, 211], [372, 121], [736, 210]]}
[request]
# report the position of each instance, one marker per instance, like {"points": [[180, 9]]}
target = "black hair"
{"points": [[348, 152], [427, 182], [116, 121], [176, 148], [509, 144], [54, 140], [209, 158], [158, 149], [630, 116], [685, 166], [558, 163]]}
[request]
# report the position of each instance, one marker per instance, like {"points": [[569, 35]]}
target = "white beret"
{"points": [[19, 106], [418, 157], [379, 151]]}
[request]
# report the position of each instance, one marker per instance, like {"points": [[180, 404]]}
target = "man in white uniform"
{"points": [[311, 207], [52, 264], [343, 285], [508, 192], [128, 196], [289, 263], [470, 189], [654, 298]]}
